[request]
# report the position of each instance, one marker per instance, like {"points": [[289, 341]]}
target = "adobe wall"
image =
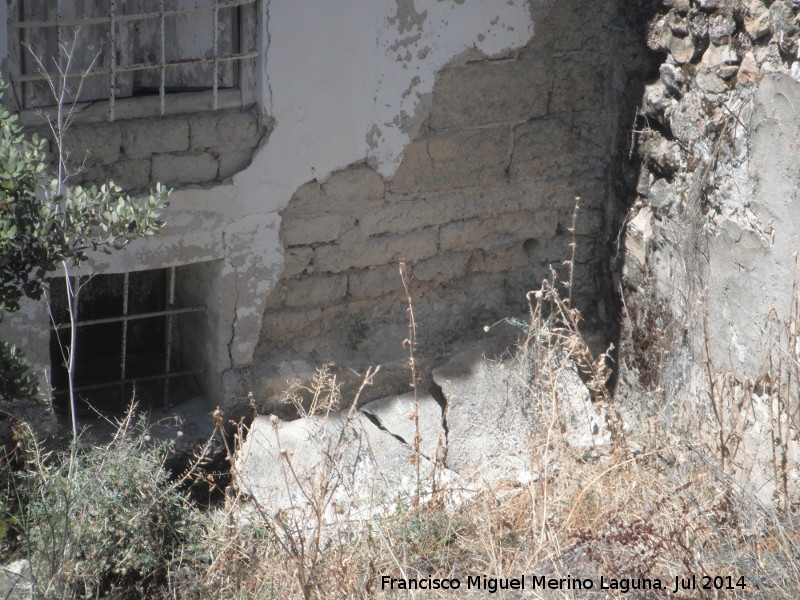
{"points": [[455, 135], [480, 208]]}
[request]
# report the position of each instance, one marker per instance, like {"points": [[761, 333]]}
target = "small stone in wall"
{"points": [[710, 5], [661, 195], [748, 70], [673, 79], [756, 19], [711, 83], [683, 49], [720, 29], [784, 26]]}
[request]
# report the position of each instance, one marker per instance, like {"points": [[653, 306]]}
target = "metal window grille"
{"points": [[127, 341], [140, 47]]}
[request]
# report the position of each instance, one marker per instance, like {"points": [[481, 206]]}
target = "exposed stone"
{"points": [[498, 233], [682, 49], [314, 290], [715, 56], [281, 462], [548, 148], [728, 72], [475, 94], [784, 25], [143, 137], [661, 195], [720, 28], [574, 89], [677, 24], [353, 186], [16, 580], [89, 145], [297, 260], [756, 19], [711, 83], [657, 101], [659, 35], [710, 5], [640, 232], [352, 251], [474, 445], [375, 281], [233, 161], [454, 158], [662, 155], [399, 416], [227, 129], [674, 80], [130, 175], [686, 120], [324, 227], [184, 169], [682, 6]]}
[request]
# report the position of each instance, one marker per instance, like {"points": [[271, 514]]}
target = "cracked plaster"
{"points": [[345, 84]]}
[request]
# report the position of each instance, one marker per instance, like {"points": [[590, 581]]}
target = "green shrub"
{"points": [[103, 518]]}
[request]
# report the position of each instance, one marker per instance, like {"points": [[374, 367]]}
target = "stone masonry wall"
{"points": [[176, 150], [480, 208]]}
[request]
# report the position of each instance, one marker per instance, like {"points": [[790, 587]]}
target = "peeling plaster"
{"points": [[344, 82]]}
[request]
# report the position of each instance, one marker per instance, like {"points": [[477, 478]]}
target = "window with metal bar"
{"points": [[113, 49], [132, 336]]}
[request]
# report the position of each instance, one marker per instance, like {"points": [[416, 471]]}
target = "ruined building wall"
{"points": [[480, 208], [455, 135], [711, 236]]}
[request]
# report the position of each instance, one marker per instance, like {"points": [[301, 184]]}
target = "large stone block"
{"points": [[364, 467], [353, 184], [314, 228], [491, 91], [498, 233], [401, 213], [450, 159], [443, 268], [184, 169], [354, 251], [144, 137], [229, 129], [280, 324], [130, 175], [296, 260], [399, 415], [313, 290], [375, 281]]}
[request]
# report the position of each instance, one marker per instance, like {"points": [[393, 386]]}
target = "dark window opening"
{"points": [[137, 339], [130, 49]]}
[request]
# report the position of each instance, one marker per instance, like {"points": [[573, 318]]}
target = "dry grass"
{"points": [[653, 504]]}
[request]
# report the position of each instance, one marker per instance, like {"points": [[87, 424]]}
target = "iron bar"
{"points": [[111, 384], [216, 51], [141, 67], [162, 66], [112, 87], [158, 313], [125, 18], [168, 357]]}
